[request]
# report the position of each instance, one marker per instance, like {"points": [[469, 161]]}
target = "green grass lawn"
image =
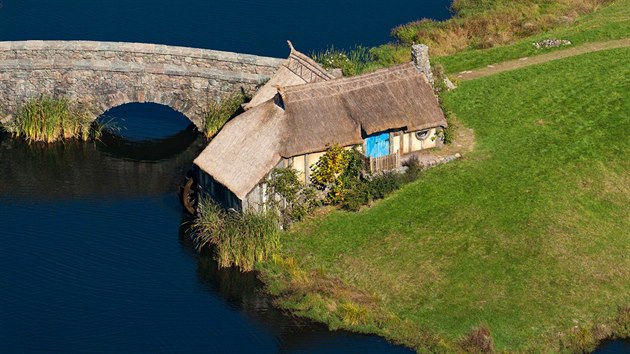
{"points": [[528, 234], [608, 23]]}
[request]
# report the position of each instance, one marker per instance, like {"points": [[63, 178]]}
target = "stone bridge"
{"points": [[103, 75]]}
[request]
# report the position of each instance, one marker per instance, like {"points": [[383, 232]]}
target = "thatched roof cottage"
{"points": [[303, 110]]}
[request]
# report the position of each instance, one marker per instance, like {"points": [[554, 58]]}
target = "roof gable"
{"points": [[298, 69]]}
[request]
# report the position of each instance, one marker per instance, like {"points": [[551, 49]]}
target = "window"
{"points": [[422, 134], [278, 101]]}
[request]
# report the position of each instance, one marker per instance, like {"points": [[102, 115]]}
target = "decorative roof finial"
{"points": [[291, 46]]}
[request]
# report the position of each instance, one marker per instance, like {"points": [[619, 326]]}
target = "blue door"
{"points": [[377, 145]]}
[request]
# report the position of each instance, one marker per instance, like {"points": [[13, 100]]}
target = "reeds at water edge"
{"points": [[47, 119], [237, 239]]}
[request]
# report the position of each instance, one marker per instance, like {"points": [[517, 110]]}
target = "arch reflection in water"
{"points": [[145, 132], [146, 121]]}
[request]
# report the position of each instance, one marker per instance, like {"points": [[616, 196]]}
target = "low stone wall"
{"points": [[430, 160], [103, 75]]}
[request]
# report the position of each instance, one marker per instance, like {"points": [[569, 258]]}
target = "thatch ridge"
{"points": [[297, 69], [311, 64], [401, 70]]}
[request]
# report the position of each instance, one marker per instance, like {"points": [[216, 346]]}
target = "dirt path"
{"points": [[543, 58]]}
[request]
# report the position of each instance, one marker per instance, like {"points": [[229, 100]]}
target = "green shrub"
{"points": [[285, 183], [356, 197], [330, 166], [413, 168], [390, 54], [448, 133], [439, 76], [377, 187], [384, 184], [219, 113], [352, 314], [237, 239], [336, 172], [355, 165], [342, 175], [364, 189], [289, 197]]}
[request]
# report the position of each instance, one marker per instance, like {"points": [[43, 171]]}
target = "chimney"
{"points": [[420, 58]]}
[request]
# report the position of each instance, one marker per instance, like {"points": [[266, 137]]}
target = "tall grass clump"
{"points": [[237, 239], [218, 113], [48, 120]]}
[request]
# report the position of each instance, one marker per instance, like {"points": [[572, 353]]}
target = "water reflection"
{"points": [[148, 153], [94, 170], [145, 122], [118, 146]]}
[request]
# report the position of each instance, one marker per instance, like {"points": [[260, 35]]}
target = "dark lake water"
{"points": [[248, 26], [94, 253]]}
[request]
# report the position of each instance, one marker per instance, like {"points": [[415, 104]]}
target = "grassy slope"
{"points": [[528, 234], [610, 22]]}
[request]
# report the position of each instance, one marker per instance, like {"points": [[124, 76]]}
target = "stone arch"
{"points": [[121, 98]]}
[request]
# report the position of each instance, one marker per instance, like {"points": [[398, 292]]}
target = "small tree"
{"points": [[337, 171], [330, 166]]}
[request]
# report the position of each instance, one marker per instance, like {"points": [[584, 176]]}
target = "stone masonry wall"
{"points": [[104, 75], [420, 58]]}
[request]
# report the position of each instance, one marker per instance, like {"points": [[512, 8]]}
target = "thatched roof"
{"points": [[316, 115], [298, 69], [339, 111], [246, 149]]}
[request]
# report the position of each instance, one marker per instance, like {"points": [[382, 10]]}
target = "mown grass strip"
{"points": [[608, 23]]}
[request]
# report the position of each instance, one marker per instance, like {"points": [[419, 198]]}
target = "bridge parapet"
{"points": [[107, 74], [139, 53]]}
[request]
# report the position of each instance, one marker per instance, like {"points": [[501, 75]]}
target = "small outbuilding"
{"points": [[303, 110]]}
